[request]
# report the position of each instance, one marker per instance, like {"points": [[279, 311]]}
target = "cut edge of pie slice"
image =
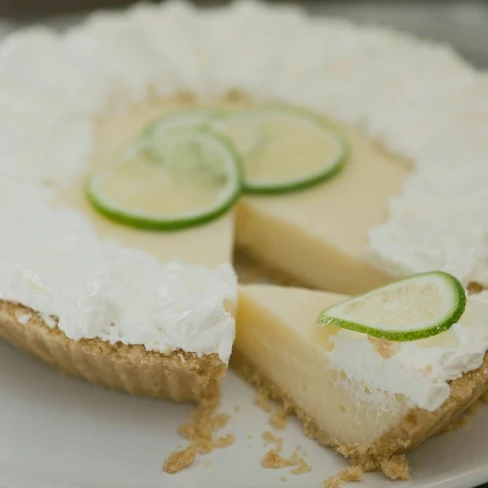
{"points": [[279, 349]]}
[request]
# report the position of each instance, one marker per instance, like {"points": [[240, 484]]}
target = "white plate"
{"points": [[56, 432]]}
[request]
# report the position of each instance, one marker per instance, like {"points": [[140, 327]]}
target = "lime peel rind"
{"points": [[192, 219], [332, 167], [445, 323]]}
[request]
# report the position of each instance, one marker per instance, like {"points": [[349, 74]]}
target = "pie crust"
{"points": [[178, 376]]}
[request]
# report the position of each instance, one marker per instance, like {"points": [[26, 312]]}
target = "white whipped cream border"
{"points": [[420, 99], [52, 261], [419, 370]]}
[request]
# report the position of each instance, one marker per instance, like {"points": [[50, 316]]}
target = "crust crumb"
{"points": [[200, 432], [278, 419], [262, 400], [273, 460], [301, 466], [396, 468], [179, 460], [474, 288], [237, 408], [220, 420], [346, 475], [270, 438], [283, 479], [224, 441], [208, 465], [385, 348]]}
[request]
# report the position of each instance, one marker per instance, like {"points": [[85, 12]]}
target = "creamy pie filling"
{"points": [[355, 387], [317, 235], [210, 245]]}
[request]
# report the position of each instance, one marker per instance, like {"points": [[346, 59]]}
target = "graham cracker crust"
{"points": [[178, 376], [416, 426]]}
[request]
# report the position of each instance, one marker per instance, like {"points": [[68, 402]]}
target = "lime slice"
{"points": [[283, 148], [155, 132], [414, 308], [198, 179]]}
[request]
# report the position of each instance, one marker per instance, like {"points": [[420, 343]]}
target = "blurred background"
{"points": [[462, 23]]}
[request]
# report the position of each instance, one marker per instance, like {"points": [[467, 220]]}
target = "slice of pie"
{"points": [[147, 313], [113, 315], [370, 399]]}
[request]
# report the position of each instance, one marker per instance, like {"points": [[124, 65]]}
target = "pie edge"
{"points": [[178, 376]]}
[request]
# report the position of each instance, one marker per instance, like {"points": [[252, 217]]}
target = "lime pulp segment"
{"points": [[198, 177], [410, 309]]}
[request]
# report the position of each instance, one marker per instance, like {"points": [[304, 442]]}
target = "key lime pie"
{"points": [[140, 149]]}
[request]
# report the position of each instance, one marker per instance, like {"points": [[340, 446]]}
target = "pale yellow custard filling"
{"points": [[316, 235], [210, 244], [276, 331]]}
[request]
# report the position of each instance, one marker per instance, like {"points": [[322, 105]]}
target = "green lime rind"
{"points": [[298, 185], [210, 119], [164, 224], [446, 322], [189, 119], [332, 169], [144, 223]]}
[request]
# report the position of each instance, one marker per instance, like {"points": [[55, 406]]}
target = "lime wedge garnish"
{"points": [[198, 177], [413, 308], [283, 148], [156, 131]]}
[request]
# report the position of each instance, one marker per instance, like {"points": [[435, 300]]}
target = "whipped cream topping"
{"points": [[53, 262], [418, 98], [418, 370]]}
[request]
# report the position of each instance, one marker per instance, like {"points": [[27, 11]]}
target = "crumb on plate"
{"points": [[179, 460], [273, 460], [346, 475], [270, 438], [200, 431], [396, 468]]}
